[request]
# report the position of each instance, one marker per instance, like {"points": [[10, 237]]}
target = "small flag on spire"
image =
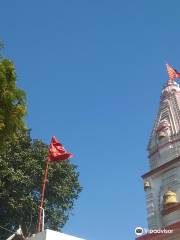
{"points": [[173, 73], [57, 152]]}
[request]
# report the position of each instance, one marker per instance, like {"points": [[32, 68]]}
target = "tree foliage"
{"points": [[21, 173], [12, 103], [22, 162]]}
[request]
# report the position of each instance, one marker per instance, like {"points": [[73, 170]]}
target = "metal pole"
{"points": [[39, 226], [43, 219]]}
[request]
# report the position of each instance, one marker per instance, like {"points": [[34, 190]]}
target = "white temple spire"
{"points": [[166, 131], [162, 182]]}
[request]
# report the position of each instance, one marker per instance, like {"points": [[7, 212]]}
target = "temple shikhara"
{"points": [[162, 182]]}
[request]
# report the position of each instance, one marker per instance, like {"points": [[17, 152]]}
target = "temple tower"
{"points": [[162, 182]]}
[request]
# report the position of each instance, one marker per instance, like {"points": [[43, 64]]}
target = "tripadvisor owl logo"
{"points": [[139, 231]]}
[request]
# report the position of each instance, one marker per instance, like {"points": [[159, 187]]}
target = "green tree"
{"points": [[21, 173], [22, 162], [12, 103]]}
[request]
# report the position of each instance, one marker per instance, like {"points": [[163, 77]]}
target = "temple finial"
{"points": [[172, 73]]}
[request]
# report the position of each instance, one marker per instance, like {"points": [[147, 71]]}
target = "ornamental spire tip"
{"points": [[172, 73]]}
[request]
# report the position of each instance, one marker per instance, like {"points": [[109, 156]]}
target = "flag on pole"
{"points": [[173, 73], [57, 152]]}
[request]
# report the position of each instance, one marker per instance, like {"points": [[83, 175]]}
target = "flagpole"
{"points": [[39, 226], [56, 152]]}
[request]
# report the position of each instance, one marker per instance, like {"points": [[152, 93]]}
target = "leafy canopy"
{"points": [[12, 103], [21, 173], [22, 162]]}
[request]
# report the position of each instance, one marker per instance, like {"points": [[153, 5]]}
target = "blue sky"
{"points": [[93, 72]]}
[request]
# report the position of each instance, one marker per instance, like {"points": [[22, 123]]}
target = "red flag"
{"points": [[173, 73], [57, 152]]}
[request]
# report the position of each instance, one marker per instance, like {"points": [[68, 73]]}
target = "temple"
{"points": [[162, 182]]}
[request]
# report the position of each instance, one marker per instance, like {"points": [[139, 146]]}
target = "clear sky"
{"points": [[93, 72]]}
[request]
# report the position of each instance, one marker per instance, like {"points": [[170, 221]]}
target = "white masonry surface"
{"points": [[53, 235], [164, 146]]}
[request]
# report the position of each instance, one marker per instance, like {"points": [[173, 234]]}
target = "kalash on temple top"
{"points": [[164, 143]]}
